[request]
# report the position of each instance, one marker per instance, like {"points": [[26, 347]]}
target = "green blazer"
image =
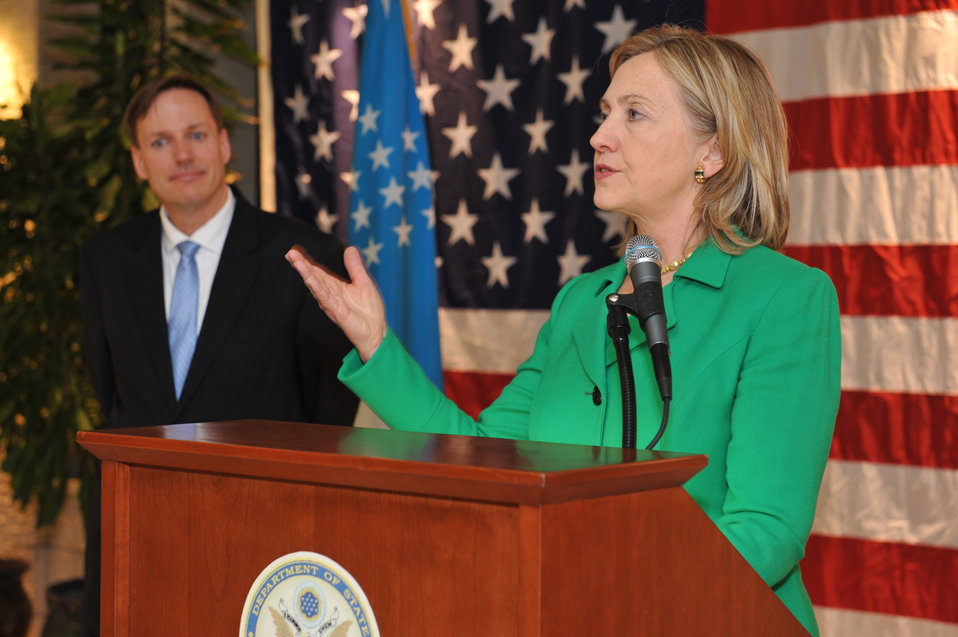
{"points": [[756, 358]]}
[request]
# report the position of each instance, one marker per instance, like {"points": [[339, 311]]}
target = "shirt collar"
{"points": [[211, 235]]}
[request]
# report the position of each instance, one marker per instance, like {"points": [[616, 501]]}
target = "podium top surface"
{"points": [[489, 469]]}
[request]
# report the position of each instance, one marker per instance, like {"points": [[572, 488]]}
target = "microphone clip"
{"points": [[619, 306]]}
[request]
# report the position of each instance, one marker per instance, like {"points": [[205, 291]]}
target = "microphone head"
{"points": [[642, 248]]}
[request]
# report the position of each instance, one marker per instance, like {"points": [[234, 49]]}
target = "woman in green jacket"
{"points": [[692, 149]]}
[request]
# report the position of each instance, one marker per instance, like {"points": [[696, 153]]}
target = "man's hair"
{"points": [[727, 92], [144, 99]]}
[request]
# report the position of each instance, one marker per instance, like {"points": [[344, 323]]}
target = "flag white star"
{"points": [[461, 224], [537, 131], [380, 156], [325, 221], [324, 61], [402, 231], [536, 221], [498, 89], [296, 22], [426, 92], [461, 49], [616, 30], [498, 265], [352, 96], [351, 179], [571, 263], [302, 184], [540, 41], [573, 81], [430, 215], [409, 139], [424, 9], [570, 4], [323, 142], [497, 178], [368, 120], [499, 8], [421, 177], [393, 193], [357, 16], [299, 104], [461, 136], [361, 215], [573, 173], [615, 224], [371, 251]]}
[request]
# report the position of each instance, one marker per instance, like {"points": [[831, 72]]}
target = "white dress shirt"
{"points": [[210, 236]]}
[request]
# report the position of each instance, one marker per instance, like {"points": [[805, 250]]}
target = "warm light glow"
{"points": [[10, 98]]}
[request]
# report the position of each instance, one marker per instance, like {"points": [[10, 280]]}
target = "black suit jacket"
{"points": [[264, 350]]}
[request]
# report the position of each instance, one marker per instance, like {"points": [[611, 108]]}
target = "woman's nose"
{"points": [[603, 140]]}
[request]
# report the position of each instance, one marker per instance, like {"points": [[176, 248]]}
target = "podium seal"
{"points": [[306, 594]]}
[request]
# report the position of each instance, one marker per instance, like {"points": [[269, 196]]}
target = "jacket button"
{"points": [[596, 396]]}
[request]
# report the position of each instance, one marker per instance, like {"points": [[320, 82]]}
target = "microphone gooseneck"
{"points": [[643, 261]]}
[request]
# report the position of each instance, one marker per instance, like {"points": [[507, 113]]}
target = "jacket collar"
{"points": [[708, 265]]}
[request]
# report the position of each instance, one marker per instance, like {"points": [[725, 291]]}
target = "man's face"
{"points": [[183, 155]]}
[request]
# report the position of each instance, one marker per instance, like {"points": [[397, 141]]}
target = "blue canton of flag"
{"points": [[391, 218]]}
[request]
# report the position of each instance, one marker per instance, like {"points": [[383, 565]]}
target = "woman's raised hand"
{"points": [[356, 307]]}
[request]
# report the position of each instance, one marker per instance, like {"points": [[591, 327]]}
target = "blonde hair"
{"points": [[727, 92]]}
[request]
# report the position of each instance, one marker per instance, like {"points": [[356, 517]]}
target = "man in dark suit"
{"points": [[191, 312]]}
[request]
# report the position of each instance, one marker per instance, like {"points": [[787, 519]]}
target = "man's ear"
{"points": [[225, 148], [138, 164], [713, 160]]}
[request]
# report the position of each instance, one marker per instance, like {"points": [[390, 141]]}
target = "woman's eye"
{"points": [[198, 135], [634, 114], [158, 143]]}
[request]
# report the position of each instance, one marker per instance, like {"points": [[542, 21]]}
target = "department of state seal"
{"points": [[306, 594]]}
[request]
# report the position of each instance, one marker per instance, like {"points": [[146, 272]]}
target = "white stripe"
{"points": [[896, 354], [835, 622], [893, 354], [493, 341], [913, 205], [889, 503], [894, 54]]}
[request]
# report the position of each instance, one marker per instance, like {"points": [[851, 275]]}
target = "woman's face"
{"points": [[645, 153]]}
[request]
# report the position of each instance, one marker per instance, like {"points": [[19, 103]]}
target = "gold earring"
{"points": [[700, 175]]}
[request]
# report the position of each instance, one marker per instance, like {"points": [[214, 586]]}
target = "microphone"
{"points": [[643, 260]]}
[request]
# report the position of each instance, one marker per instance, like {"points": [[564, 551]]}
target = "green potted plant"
{"points": [[65, 175]]}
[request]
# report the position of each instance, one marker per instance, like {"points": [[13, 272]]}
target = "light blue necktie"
{"points": [[182, 321]]}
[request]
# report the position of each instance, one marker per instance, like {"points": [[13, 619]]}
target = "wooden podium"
{"points": [[447, 535]]}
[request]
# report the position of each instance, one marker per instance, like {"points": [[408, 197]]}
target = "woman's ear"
{"points": [[713, 160]]}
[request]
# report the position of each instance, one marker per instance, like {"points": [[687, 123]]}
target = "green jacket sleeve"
{"points": [[783, 416]]}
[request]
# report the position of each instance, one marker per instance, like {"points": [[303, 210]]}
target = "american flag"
{"points": [[509, 91]]}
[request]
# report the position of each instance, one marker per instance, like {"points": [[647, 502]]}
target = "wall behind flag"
{"points": [[509, 92]]}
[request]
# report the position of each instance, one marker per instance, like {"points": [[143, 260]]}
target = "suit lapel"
{"points": [[235, 276], [590, 343], [145, 284]]}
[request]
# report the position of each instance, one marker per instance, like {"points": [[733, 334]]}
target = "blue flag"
{"points": [[391, 214]]}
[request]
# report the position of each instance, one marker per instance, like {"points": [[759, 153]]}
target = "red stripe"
{"points": [[889, 280], [906, 429], [882, 577], [906, 129], [731, 16], [473, 391]]}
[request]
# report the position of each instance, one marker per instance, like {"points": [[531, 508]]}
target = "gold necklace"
{"points": [[672, 267]]}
